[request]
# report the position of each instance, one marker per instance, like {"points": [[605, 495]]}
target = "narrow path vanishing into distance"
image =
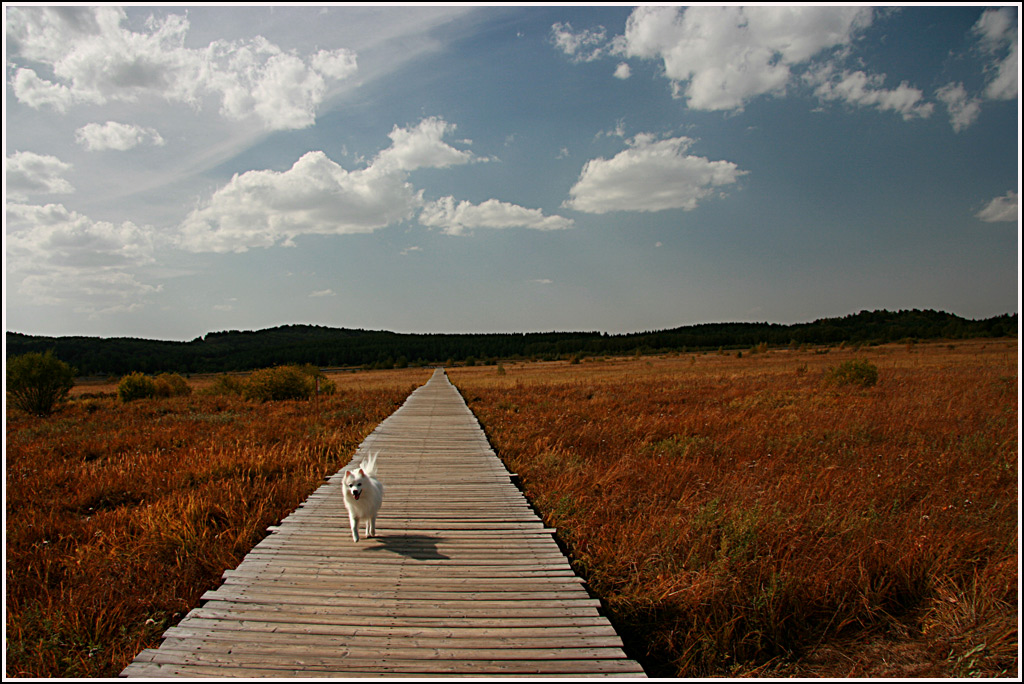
{"points": [[462, 579]]}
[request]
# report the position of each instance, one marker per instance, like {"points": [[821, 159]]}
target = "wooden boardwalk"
{"points": [[463, 578]]}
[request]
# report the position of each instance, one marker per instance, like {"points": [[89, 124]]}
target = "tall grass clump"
{"points": [[861, 373], [737, 521]]}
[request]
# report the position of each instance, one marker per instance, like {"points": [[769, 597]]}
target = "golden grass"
{"points": [[738, 516], [119, 516]]}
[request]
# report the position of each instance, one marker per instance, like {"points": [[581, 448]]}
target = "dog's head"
{"points": [[354, 481]]}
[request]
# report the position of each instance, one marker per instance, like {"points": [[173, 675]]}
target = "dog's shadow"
{"points": [[415, 546]]}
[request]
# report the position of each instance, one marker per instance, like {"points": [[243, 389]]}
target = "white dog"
{"points": [[363, 496]]}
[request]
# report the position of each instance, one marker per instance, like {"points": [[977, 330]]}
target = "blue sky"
{"points": [[172, 171]]}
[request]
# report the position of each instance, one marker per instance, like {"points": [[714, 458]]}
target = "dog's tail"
{"points": [[369, 464]]}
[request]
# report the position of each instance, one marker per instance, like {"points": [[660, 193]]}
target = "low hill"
{"points": [[237, 350]]}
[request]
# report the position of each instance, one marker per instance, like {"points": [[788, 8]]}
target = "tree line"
{"points": [[236, 350]]}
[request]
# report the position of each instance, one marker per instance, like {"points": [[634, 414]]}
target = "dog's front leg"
{"points": [[371, 527], [354, 524]]}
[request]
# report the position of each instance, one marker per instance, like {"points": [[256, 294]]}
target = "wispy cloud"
{"points": [[1001, 209], [322, 293]]}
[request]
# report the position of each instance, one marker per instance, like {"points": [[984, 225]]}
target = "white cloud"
{"points": [[420, 147], [322, 293], [622, 71], [582, 46], [997, 30], [316, 196], [337, 64], [650, 176], [58, 256], [720, 57], [457, 219], [1001, 209], [95, 59], [963, 110], [37, 93], [30, 173], [115, 136], [863, 90]]}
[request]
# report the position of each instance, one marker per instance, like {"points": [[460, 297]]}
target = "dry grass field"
{"points": [[119, 516], [739, 516]]}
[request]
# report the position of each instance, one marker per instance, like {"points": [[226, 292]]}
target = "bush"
{"points": [[136, 386], [275, 384], [171, 385], [861, 373], [226, 385], [36, 382]]}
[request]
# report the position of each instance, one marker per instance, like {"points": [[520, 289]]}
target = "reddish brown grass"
{"points": [[738, 516], [119, 516]]}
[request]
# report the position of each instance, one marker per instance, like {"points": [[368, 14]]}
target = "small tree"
{"points": [[36, 382]]}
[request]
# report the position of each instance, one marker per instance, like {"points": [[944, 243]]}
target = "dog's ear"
{"points": [[361, 472]]}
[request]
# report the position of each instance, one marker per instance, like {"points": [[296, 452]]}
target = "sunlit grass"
{"points": [[744, 515], [120, 516]]}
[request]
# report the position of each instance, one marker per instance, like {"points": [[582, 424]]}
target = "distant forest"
{"points": [[236, 350]]}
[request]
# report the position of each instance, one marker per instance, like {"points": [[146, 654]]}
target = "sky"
{"points": [[177, 170]]}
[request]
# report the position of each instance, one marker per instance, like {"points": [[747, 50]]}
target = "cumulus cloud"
{"points": [[316, 196], [718, 58], [420, 147], [963, 110], [95, 59], [622, 71], [30, 173], [1000, 209], [456, 218], [115, 136], [58, 256], [863, 90], [652, 175]]}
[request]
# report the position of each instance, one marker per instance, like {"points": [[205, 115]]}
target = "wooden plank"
{"points": [[599, 632], [389, 666]]}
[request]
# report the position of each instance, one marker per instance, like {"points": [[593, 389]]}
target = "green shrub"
{"points": [[861, 373], [275, 384], [171, 385], [36, 382], [136, 386]]}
